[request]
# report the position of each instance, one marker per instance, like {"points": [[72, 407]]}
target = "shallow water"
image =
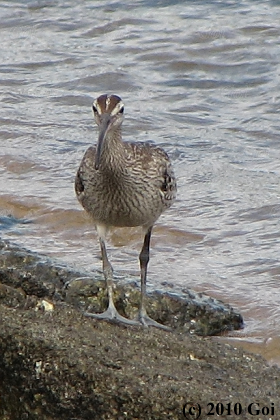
{"points": [[200, 79]]}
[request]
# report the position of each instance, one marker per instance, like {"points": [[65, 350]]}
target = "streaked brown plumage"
{"points": [[123, 184]]}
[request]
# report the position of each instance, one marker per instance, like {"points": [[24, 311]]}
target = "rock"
{"points": [[27, 277], [61, 365], [57, 364]]}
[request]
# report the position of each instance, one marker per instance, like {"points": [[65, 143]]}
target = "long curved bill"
{"points": [[103, 128]]}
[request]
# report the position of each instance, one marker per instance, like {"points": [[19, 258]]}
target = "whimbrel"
{"points": [[123, 184]]}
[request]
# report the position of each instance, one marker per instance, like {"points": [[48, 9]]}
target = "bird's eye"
{"points": [[121, 110], [94, 109]]}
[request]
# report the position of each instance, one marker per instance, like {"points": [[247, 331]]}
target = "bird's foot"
{"points": [[111, 314], [146, 321]]}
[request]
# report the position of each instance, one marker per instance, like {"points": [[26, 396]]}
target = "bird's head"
{"points": [[108, 113]]}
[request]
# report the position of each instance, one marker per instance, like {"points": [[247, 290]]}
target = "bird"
{"points": [[123, 184]]}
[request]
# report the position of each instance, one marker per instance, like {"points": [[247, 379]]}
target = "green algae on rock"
{"points": [[26, 277]]}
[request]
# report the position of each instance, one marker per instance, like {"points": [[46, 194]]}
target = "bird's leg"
{"points": [[111, 314], [144, 259]]}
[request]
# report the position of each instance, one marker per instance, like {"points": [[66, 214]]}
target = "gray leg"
{"points": [[144, 259], [111, 314]]}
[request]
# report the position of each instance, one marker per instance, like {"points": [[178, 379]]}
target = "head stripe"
{"points": [[110, 104]]}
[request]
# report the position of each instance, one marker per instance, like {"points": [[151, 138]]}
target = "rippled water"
{"points": [[199, 78]]}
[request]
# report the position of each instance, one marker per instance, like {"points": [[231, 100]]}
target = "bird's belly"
{"points": [[119, 207]]}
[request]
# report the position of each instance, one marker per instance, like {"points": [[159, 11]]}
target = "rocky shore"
{"points": [[57, 364]]}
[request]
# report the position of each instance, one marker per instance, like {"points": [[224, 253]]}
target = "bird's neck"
{"points": [[113, 158]]}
